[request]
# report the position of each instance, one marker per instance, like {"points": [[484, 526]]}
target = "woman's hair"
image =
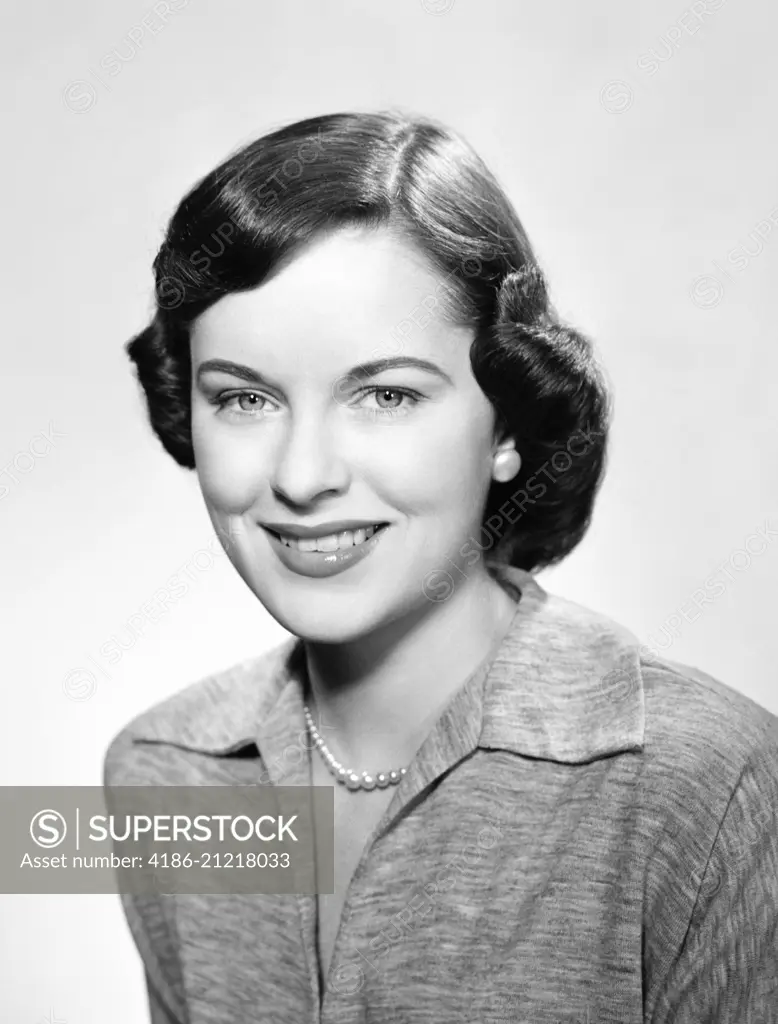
{"points": [[417, 177]]}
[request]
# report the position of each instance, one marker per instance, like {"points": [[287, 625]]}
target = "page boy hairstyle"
{"points": [[415, 176]]}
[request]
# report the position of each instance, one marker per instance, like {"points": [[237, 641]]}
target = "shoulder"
{"points": [[574, 685], [709, 758], [693, 717], [707, 827], [218, 713], [709, 753], [689, 716]]}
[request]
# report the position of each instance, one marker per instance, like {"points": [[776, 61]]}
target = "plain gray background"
{"points": [[638, 144]]}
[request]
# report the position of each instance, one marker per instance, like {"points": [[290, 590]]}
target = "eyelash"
{"points": [[222, 401]]}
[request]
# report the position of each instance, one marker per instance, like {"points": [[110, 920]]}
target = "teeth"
{"points": [[332, 542]]}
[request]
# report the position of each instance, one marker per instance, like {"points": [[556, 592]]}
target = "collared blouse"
{"points": [[587, 835]]}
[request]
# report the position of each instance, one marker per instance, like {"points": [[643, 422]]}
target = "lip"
{"points": [[323, 530], [318, 564]]}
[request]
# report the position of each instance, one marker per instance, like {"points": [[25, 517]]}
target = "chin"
{"points": [[338, 609], [321, 620]]}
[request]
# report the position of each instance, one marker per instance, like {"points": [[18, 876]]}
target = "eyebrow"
{"points": [[364, 371]]}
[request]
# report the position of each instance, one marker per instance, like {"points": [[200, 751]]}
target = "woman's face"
{"points": [[296, 431]]}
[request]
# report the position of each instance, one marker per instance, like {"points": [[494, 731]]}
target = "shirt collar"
{"points": [[564, 685]]}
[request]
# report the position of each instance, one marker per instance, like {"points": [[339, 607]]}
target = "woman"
{"points": [[535, 819]]}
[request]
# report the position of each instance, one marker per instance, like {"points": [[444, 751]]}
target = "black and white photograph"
{"points": [[389, 511]]}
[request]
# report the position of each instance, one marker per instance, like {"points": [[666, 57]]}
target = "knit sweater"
{"points": [[587, 835]]}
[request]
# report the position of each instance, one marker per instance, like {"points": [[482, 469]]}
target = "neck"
{"points": [[376, 699]]}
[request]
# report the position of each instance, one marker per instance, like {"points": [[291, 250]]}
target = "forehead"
{"points": [[352, 295]]}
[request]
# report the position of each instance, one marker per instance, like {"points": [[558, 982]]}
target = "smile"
{"points": [[330, 541], [309, 553]]}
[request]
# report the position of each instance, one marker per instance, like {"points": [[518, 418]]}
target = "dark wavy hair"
{"points": [[265, 202]]}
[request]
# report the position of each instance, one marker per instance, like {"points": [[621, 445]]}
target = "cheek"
{"points": [[442, 466], [229, 473]]}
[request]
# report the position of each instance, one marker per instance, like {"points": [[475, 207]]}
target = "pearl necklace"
{"points": [[352, 780]]}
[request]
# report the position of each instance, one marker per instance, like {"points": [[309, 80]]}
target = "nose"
{"points": [[308, 464]]}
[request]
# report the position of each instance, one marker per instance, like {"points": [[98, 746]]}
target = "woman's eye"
{"points": [[391, 401], [249, 403], [378, 402]]}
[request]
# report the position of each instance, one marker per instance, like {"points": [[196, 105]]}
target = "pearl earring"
{"points": [[506, 465]]}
